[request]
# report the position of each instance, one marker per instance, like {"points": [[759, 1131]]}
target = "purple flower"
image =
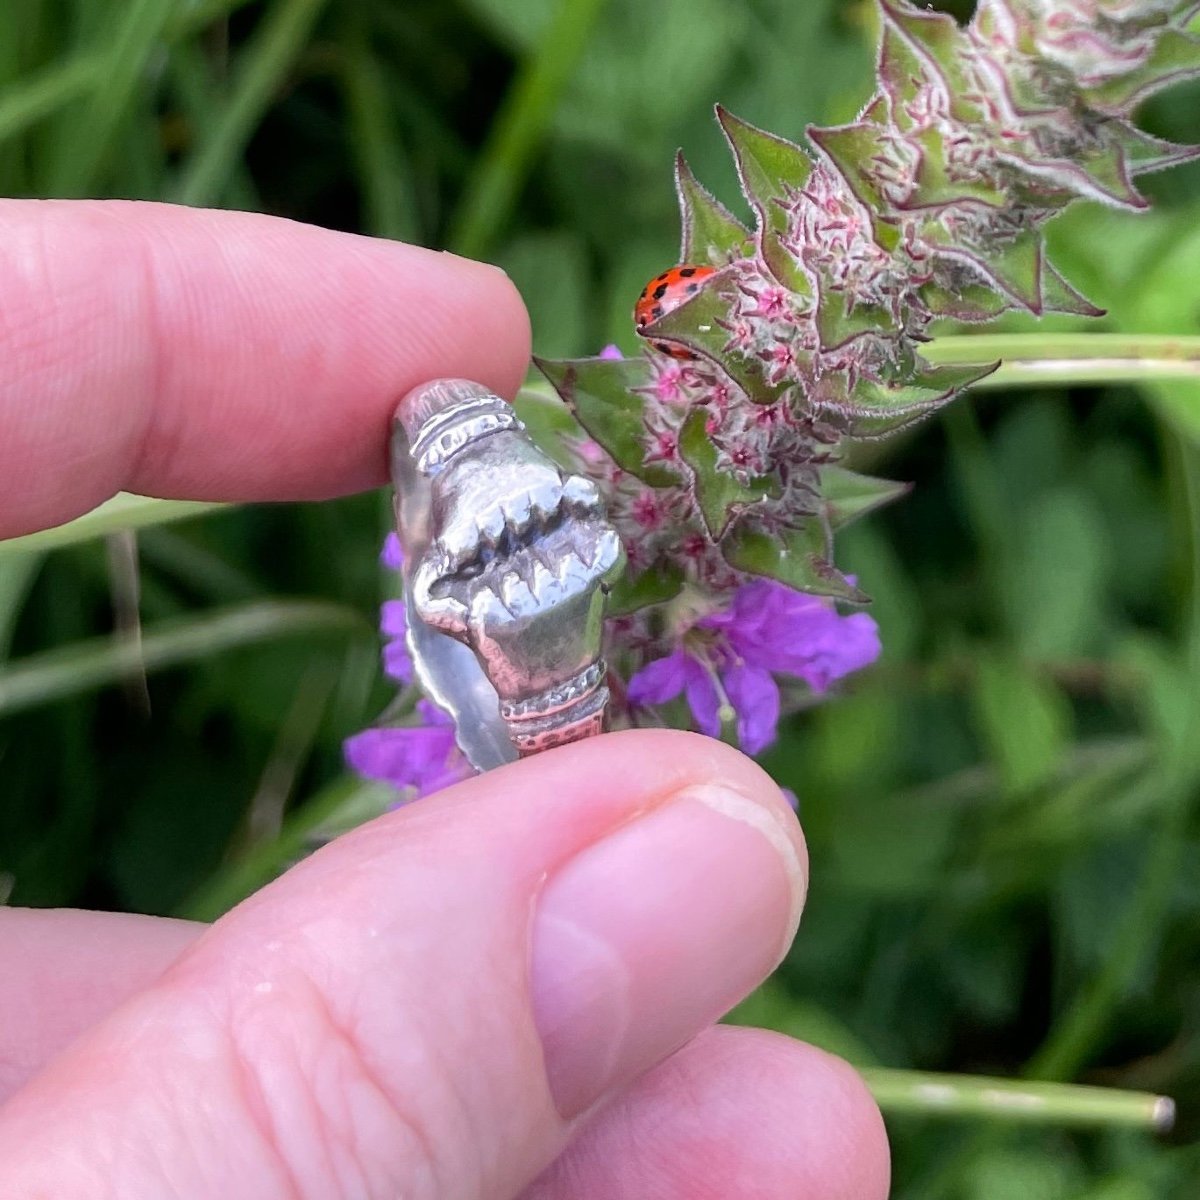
{"points": [[393, 624], [418, 758], [393, 620], [726, 663], [611, 351], [392, 555]]}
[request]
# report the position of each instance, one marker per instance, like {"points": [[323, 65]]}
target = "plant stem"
{"points": [[977, 1096], [1073, 358]]}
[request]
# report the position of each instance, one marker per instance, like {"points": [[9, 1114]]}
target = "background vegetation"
{"points": [[1002, 815]]}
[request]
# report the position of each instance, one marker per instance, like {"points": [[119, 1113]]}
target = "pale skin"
{"points": [[506, 990]]}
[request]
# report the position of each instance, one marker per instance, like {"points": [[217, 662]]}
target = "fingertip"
{"points": [[222, 355], [736, 1112]]}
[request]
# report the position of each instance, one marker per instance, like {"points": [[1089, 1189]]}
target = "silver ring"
{"points": [[507, 565]]}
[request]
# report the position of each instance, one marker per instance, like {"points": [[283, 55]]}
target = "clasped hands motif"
{"points": [[517, 563]]}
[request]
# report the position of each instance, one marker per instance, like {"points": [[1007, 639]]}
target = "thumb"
{"points": [[422, 1007]]}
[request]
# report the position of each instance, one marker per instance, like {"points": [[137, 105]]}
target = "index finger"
{"points": [[218, 355]]}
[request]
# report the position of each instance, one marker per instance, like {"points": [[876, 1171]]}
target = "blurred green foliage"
{"points": [[1002, 815]]}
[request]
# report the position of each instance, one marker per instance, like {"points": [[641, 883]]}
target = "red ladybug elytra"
{"points": [[665, 293]]}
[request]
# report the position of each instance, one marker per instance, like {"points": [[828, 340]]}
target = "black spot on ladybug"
{"points": [[656, 312], [660, 291], [692, 287], [660, 278], [686, 272]]}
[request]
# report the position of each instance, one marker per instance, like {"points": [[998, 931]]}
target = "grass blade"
{"points": [[82, 154], [342, 804], [265, 62], [389, 209], [519, 126], [34, 97], [88, 665], [123, 511]]}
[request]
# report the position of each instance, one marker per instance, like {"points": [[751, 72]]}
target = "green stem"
{"points": [[1073, 358], [978, 1096], [519, 126], [264, 63]]}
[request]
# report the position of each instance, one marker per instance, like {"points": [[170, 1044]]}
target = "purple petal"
{"points": [[397, 662], [432, 715], [754, 695], [611, 351], [660, 680], [423, 758], [830, 648], [703, 699], [393, 620], [392, 555]]}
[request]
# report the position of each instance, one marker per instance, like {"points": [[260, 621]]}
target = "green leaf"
{"points": [[1175, 57], [852, 149], [901, 73], [711, 233], [937, 39], [797, 557], [1024, 720], [1013, 266], [600, 392], [933, 186], [771, 170], [1146, 153], [847, 495], [923, 392], [654, 586], [1059, 296], [970, 302], [840, 320], [720, 496], [549, 422]]}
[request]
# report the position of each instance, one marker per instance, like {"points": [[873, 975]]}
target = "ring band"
{"points": [[507, 565]]}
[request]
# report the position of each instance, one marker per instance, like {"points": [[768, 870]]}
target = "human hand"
{"points": [[473, 996]]}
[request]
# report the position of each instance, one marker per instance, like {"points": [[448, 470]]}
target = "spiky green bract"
{"points": [[720, 459]]}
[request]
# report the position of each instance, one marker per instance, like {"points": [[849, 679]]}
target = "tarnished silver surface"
{"points": [[507, 563]]}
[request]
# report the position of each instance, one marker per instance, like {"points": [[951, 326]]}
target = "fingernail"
{"points": [[648, 936]]}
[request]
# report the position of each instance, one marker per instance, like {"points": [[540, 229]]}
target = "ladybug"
{"points": [[665, 293]]}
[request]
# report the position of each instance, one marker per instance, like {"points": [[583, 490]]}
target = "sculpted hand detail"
{"points": [[518, 562]]}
